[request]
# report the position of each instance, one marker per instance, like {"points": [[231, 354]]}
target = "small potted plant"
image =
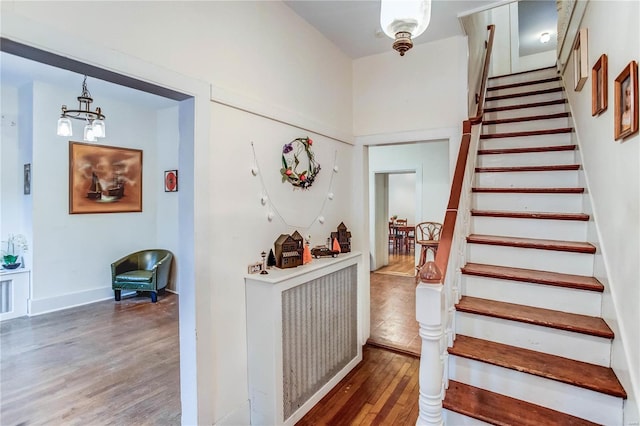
{"points": [[16, 244]]}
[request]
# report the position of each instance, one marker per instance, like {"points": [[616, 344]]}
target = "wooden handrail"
{"points": [[448, 227], [485, 76]]}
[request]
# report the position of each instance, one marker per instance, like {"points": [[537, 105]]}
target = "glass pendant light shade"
{"points": [[88, 133], [64, 127], [404, 20], [410, 16], [98, 128]]}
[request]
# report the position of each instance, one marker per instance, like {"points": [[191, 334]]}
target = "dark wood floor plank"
{"points": [[514, 190], [552, 168], [380, 390], [497, 135], [582, 374], [531, 215], [523, 106], [525, 118], [577, 323], [524, 94], [502, 410], [524, 83], [103, 363], [526, 150]]}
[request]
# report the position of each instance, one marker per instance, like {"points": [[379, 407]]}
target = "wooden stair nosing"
{"points": [[529, 190], [578, 282], [522, 72], [526, 118], [523, 83], [523, 94], [581, 217], [503, 410], [576, 323], [565, 370], [532, 243], [523, 106], [552, 168], [561, 130], [526, 150]]}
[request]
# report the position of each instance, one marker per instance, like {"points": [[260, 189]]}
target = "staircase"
{"points": [[530, 347]]}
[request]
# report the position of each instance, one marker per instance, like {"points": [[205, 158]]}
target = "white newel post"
{"points": [[429, 313]]}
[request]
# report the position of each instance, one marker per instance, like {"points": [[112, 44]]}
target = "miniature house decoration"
{"points": [[288, 251], [344, 238]]}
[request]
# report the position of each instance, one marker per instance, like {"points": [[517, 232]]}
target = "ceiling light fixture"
{"points": [[403, 20], [94, 128], [545, 37]]}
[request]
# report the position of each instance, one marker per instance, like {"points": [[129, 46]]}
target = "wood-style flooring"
{"points": [[381, 390], [107, 363], [402, 264], [118, 363]]}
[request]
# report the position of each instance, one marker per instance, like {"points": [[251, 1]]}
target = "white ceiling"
{"points": [[354, 25]]}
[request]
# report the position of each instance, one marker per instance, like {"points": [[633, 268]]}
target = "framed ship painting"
{"points": [[104, 179]]}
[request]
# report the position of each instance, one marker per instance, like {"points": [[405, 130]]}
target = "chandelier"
{"points": [[403, 20], [94, 128]]}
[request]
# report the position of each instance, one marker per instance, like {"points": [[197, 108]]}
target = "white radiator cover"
{"points": [[303, 336], [319, 334]]}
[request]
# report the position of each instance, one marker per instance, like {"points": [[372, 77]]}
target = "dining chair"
{"points": [[428, 236], [395, 238]]}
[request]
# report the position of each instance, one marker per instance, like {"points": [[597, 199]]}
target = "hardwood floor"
{"points": [[402, 264], [381, 390], [98, 364]]}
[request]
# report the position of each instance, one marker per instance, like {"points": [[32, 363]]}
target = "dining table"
{"points": [[407, 232]]}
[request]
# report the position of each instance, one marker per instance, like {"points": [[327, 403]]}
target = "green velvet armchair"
{"points": [[145, 270]]}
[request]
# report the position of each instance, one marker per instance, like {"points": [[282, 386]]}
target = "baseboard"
{"points": [[69, 300]]}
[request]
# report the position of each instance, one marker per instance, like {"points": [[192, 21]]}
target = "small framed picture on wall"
{"points": [[171, 181], [580, 59], [626, 102], [599, 86], [27, 179]]}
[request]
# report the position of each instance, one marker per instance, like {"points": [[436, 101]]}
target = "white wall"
{"points": [[274, 64], [612, 173], [425, 89], [402, 196]]}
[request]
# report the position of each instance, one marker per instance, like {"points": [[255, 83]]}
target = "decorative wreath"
{"points": [[291, 153]]}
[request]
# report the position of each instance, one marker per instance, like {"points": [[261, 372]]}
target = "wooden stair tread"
{"points": [[502, 410], [531, 215], [577, 373], [581, 282], [522, 72], [524, 83], [577, 323], [522, 106], [534, 243], [531, 190], [526, 150], [522, 94], [526, 118], [553, 168], [527, 133]]}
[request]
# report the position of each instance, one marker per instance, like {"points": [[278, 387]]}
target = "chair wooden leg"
{"points": [[117, 295]]}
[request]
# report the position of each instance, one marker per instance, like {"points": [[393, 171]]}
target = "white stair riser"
{"points": [[526, 88], [525, 112], [545, 260], [523, 77], [546, 158], [546, 229], [527, 141], [583, 302], [519, 100], [561, 203], [525, 126], [546, 179], [579, 402], [456, 419], [591, 349]]}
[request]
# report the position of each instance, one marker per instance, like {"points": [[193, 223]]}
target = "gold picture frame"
{"points": [[599, 83], [626, 102], [580, 59], [104, 179]]}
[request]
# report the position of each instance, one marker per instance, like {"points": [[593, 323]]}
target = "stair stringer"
{"points": [[620, 358], [458, 256]]}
